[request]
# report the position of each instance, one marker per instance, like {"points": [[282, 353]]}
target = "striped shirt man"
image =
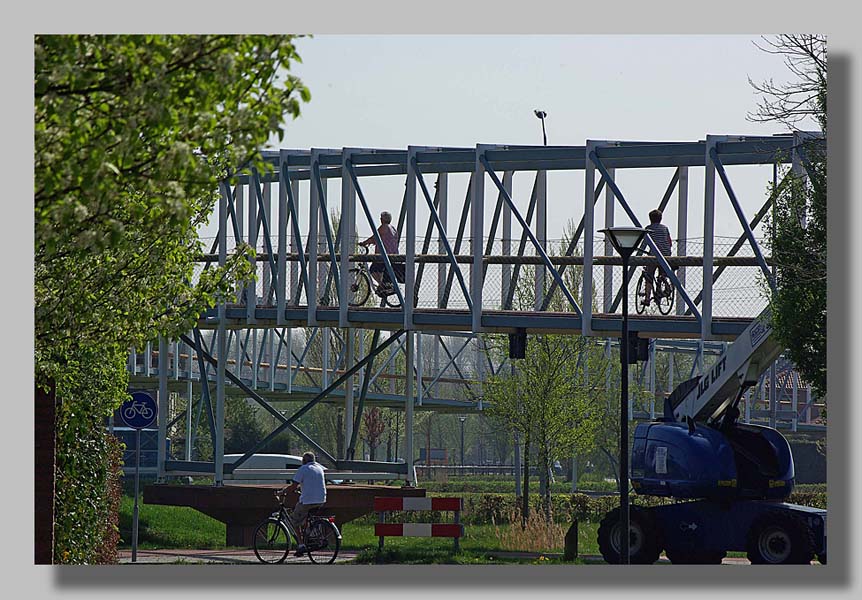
{"points": [[661, 236]]}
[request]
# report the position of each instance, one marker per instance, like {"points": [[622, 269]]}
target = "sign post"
{"points": [[138, 412]]}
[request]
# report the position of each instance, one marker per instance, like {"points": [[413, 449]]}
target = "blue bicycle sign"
{"points": [[139, 411]]}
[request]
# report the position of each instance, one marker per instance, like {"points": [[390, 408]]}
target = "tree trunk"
{"points": [[340, 442], [397, 433], [389, 441], [544, 462], [428, 449], [614, 466], [525, 509], [45, 471]]}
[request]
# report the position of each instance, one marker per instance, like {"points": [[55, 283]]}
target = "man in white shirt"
{"points": [[310, 478]]}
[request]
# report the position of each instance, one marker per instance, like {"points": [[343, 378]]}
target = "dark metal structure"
{"points": [[294, 335]]}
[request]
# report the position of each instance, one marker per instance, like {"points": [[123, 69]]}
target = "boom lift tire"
{"points": [[644, 542], [779, 538]]}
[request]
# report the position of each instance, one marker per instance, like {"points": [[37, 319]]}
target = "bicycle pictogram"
{"points": [[139, 410]]}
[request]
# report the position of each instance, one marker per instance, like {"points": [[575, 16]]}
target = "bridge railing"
{"points": [[739, 292]]}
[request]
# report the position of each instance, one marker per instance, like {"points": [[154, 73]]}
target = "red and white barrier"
{"points": [[382, 529], [451, 530], [401, 503]]}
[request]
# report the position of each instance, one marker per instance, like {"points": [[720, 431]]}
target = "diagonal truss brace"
{"points": [[202, 354], [655, 251], [441, 229], [323, 394], [719, 167], [351, 171], [538, 246]]}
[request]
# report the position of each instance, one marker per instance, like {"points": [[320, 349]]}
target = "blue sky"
{"points": [[394, 90], [391, 91]]}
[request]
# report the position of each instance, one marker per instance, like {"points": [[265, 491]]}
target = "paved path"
{"points": [[242, 556], [221, 557]]}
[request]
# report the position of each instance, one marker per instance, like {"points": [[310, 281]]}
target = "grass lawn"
{"points": [[173, 527], [168, 527], [481, 544]]}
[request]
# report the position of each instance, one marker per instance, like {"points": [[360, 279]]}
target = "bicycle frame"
{"points": [[283, 516], [366, 272]]}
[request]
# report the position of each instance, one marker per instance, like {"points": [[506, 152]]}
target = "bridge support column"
{"points": [[408, 410], [189, 403], [708, 238], [608, 290], [541, 233], [589, 236], [682, 232], [348, 396], [164, 407], [221, 332], [477, 228]]}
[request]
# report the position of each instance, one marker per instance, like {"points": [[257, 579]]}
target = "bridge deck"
{"points": [[496, 321]]}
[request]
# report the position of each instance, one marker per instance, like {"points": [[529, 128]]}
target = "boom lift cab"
{"points": [[742, 462], [739, 474]]}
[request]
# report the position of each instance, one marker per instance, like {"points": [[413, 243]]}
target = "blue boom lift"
{"points": [[731, 478]]}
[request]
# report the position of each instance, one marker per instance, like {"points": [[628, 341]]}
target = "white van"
{"points": [[274, 462]]}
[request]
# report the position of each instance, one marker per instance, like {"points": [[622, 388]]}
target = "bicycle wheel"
{"points": [[640, 294], [392, 300], [359, 287], [665, 296], [272, 542], [323, 541]]}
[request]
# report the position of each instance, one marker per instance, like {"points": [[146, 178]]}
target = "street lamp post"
{"points": [[541, 115], [462, 419], [624, 241]]}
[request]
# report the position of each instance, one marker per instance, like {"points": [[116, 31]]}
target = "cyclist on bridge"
{"points": [[389, 237], [310, 477], [661, 236]]}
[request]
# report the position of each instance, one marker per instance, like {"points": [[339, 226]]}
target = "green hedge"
{"points": [[487, 509], [89, 387]]}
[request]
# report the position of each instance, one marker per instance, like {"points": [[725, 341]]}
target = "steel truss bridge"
{"points": [[292, 335]]}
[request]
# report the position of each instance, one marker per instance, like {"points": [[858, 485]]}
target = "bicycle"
{"points": [[361, 283], [275, 536], [137, 408], [663, 292]]}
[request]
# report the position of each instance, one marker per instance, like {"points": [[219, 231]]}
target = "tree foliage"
{"points": [[373, 426], [132, 135], [798, 220], [544, 401]]}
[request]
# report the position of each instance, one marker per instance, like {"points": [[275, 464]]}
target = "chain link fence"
{"points": [[513, 282]]}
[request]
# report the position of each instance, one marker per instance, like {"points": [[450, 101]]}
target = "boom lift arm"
{"points": [[708, 398]]}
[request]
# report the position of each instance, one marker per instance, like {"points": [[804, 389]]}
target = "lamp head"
{"points": [[540, 113], [625, 239]]}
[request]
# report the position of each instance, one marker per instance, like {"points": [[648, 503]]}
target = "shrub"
{"points": [[90, 386], [107, 553]]}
